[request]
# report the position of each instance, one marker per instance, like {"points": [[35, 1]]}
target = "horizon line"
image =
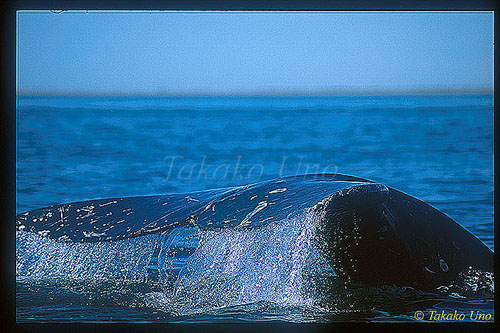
{"points": [[266, 93]]}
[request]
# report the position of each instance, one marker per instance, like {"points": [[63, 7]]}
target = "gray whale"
{"points": [[368, 232]]}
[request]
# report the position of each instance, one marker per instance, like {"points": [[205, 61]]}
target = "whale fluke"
{"points": [[368, 232]]}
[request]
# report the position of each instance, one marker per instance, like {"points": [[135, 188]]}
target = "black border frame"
{"points": [[8, 164]]}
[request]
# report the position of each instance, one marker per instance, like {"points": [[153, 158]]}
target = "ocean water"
{"points": [[436, 148]]}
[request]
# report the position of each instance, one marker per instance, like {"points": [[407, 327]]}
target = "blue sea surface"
{"points": [[436, 148]]}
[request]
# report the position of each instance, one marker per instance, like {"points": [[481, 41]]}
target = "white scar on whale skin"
{"points": [[278, 190], [108, 203], [93, 234], [246, 221]]}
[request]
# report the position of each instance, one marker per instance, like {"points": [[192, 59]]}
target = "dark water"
{"points": [[438, 149]]}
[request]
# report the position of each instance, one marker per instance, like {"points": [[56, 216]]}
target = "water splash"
{"points": [[192, 270], [232, 267]]}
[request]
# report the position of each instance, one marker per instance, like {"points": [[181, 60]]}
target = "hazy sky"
{"points": [[230, 53]]}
